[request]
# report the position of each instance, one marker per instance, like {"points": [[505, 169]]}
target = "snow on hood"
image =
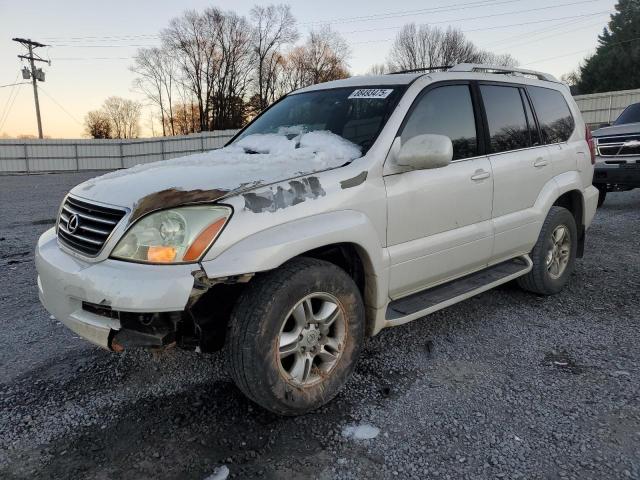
{"points": [[254, 160]]}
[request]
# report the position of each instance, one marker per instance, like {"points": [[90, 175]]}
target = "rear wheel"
{"points": [[295, 336], [553, 255]]}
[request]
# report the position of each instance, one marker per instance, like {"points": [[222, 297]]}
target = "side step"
{"points": [[428, 301]]}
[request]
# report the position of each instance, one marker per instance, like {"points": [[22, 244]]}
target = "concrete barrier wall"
{"points": [[31, 156]]}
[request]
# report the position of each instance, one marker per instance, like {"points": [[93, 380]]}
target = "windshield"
{"points": [[356, 114], [631, 114]]}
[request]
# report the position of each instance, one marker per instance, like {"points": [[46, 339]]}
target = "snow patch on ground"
{"points": [[220, 473], [360, 432]]}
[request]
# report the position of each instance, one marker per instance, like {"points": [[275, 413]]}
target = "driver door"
{"points": [[439, 220]]}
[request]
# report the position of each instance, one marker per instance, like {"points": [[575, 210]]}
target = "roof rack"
{"points": [[423, 69], [499, 69], [486, 68]]}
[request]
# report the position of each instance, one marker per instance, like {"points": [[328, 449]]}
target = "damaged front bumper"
{"points": [[97, 300]]}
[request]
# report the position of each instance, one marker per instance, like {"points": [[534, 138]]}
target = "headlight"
{"points": [[178, 235]]}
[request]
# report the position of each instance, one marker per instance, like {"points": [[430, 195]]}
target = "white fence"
{"points": [[30, 156], [599, 108]]}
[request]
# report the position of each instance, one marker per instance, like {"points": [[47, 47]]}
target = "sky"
{"points": [[92, 43]]}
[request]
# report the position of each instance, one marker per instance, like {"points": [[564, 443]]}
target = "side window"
{"points": [[508, 127], [556, 122], [446, 111]]}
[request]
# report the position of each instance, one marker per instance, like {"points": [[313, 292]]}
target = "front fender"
{"points": [[270, 248]]}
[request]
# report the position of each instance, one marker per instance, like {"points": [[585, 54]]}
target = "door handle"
{"points": [[480, 175], [540, 162]]}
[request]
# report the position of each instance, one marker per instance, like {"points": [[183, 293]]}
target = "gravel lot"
{"points": [[505, 385]]}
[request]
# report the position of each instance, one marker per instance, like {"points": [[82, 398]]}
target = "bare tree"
{"points": [[185, 118], [503, 59], [234, 68], [378, 69], [426, 46], [273, 27], [157, 72], [97, 124], [124, 116], [327, 53], [190, 40], [294, 70]]}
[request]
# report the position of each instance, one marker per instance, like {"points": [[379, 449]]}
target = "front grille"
{"points": [[620, 145], [84, 226]]}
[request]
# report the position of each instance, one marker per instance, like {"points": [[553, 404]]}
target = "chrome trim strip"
{"points": [[73, 211]]}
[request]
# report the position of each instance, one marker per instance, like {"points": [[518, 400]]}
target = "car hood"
{"points": [[624, 129], [253, 161]]}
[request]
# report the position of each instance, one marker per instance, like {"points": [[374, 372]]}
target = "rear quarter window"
{"points": [[555, 119]]}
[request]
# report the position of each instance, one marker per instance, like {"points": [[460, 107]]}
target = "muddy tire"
{"points": [[553, 255], [295, 335]]}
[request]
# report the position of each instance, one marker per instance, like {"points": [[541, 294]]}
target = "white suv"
{"points": [[344, 208]]}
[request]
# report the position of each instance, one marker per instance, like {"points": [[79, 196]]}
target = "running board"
{"points": [[428, 301]]}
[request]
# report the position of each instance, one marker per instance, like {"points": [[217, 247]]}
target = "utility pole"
{"points": [[33, 73]]}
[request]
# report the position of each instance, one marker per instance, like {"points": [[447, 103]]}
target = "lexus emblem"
{"points": [[73, 223]]}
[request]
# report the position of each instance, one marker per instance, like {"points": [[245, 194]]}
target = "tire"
{"points": [[602, 195], [544, 278], [264, 326]]}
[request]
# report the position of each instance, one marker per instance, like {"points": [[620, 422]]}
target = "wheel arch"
{"points": [[573, 200], [346, 238]]}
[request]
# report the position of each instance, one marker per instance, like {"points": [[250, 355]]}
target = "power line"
{"points": [[545, 29], [564, 32], [6, 116], [580, 51], [61, 107], [104, 46], [12, 84], [405, 13], [6, 105], [496, 27], [480, 17]]}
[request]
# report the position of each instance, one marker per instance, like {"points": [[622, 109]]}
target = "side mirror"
{"points": [[426, 151]]}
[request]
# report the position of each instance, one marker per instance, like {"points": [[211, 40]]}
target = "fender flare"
{"points": [[270, 248], [555, 188]]}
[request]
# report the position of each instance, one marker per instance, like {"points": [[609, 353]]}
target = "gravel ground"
{"points": [[505, 385]]}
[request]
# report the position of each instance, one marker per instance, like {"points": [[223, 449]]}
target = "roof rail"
{"points": [[481, 67], [423, 69]]}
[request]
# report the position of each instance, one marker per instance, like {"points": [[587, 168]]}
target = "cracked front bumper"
{"points": [[65, 282]]}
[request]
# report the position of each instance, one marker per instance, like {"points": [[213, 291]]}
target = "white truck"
{"points": [[345, 208]]}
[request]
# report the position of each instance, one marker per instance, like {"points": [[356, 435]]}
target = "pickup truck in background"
{"points": [[618, 154]]}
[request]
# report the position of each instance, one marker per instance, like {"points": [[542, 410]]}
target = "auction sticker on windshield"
{"points": [[371, 93]]}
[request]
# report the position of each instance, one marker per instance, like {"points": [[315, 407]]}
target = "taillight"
{"points": [[592, 145]]}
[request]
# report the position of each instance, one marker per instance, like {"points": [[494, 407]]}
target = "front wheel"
{"points": [[553, 255], [295, 336]]}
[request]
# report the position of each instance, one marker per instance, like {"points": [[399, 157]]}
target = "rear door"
{"points": [[521, 166]]}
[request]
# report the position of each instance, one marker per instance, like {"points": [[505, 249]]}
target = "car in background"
{"points": [[618, 154]]}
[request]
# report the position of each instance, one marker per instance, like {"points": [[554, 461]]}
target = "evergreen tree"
{"points": [[616, 63]]}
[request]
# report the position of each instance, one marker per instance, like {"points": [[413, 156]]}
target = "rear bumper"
{"points": [[627, 175], [65, 282]]}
